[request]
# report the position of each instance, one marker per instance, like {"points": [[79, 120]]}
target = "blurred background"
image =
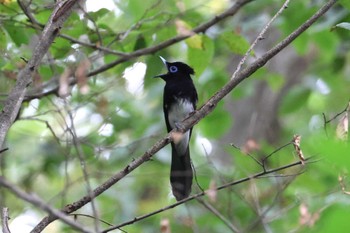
{"points": [[105, 120]]}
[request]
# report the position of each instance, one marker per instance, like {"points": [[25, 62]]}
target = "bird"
{"points": [[179, 101]]}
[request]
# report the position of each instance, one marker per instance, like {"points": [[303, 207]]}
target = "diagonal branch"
{"points": [[207, 108], [141, 52], [200, 29], [24, 78], [36, 201], [192, 197]]}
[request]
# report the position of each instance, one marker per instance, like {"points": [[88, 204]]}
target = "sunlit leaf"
{"points": [[19, 36], [235, 42], [201, 58]]}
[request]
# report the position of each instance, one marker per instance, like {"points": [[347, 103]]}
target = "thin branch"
{"points": [[275, 151], [150, 50], [195, 196], [258, 38], [24, 78], [200, 29], [263, 212], [212, 209], [37, 202], [89, 216], [3, 150], [207, 108], [121, 36], [250, 156], [336, 115], [325, 121], [26, 10], [93, 45], [5, 217], [80, 154], [47, 125]]}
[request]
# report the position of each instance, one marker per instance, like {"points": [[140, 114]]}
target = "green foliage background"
{"points": [[42, 157]]}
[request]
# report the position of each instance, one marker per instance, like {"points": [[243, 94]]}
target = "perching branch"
{"points": [[207, 108], [255, 176]]}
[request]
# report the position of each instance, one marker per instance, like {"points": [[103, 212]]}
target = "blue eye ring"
{"points": [[173, 69]]}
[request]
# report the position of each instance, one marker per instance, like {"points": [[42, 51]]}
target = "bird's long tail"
{"points": [[181, 174]]}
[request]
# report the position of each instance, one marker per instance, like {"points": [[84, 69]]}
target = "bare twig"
{"points": [[26, 10], [5, 217], [258, 38], [36, 201], [207, 108], [150, 50], [251, 156], [212, 209], [254, 176], [80, 154], [24, 78], [262, 212], [336, 115], [3, 150], [200, 29], [325, 121], [274, 152], [89, 216]]}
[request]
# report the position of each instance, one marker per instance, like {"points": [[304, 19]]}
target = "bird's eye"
{"points": [[173, 69]]}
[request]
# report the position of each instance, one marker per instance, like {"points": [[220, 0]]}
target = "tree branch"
{"points": [[24, 78], [127, 56], [200, 29], [5, 217], [192, 197], [207, 108], [212, 209], [36, 201]]}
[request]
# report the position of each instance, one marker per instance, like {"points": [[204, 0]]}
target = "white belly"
{"points": [[177, 113]]}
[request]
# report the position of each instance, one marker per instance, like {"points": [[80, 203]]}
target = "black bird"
{"points": [[179, 100]]}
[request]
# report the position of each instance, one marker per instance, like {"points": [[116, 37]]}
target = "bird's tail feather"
{"points": [[181, 174]]}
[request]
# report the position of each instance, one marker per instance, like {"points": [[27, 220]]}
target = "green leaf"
{"points": [[275, 81], [336, 152], [295, 99], [195, 42], [98, 14], [18, 35], [43, 16], [334, 219], [201, 58], [317, 101], [60, 48], [2, 39], [345, 3], [140, 43], [235, 42], [217, 123]]}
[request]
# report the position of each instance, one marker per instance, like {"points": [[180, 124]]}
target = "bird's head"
{"points": [[175, 70]]}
